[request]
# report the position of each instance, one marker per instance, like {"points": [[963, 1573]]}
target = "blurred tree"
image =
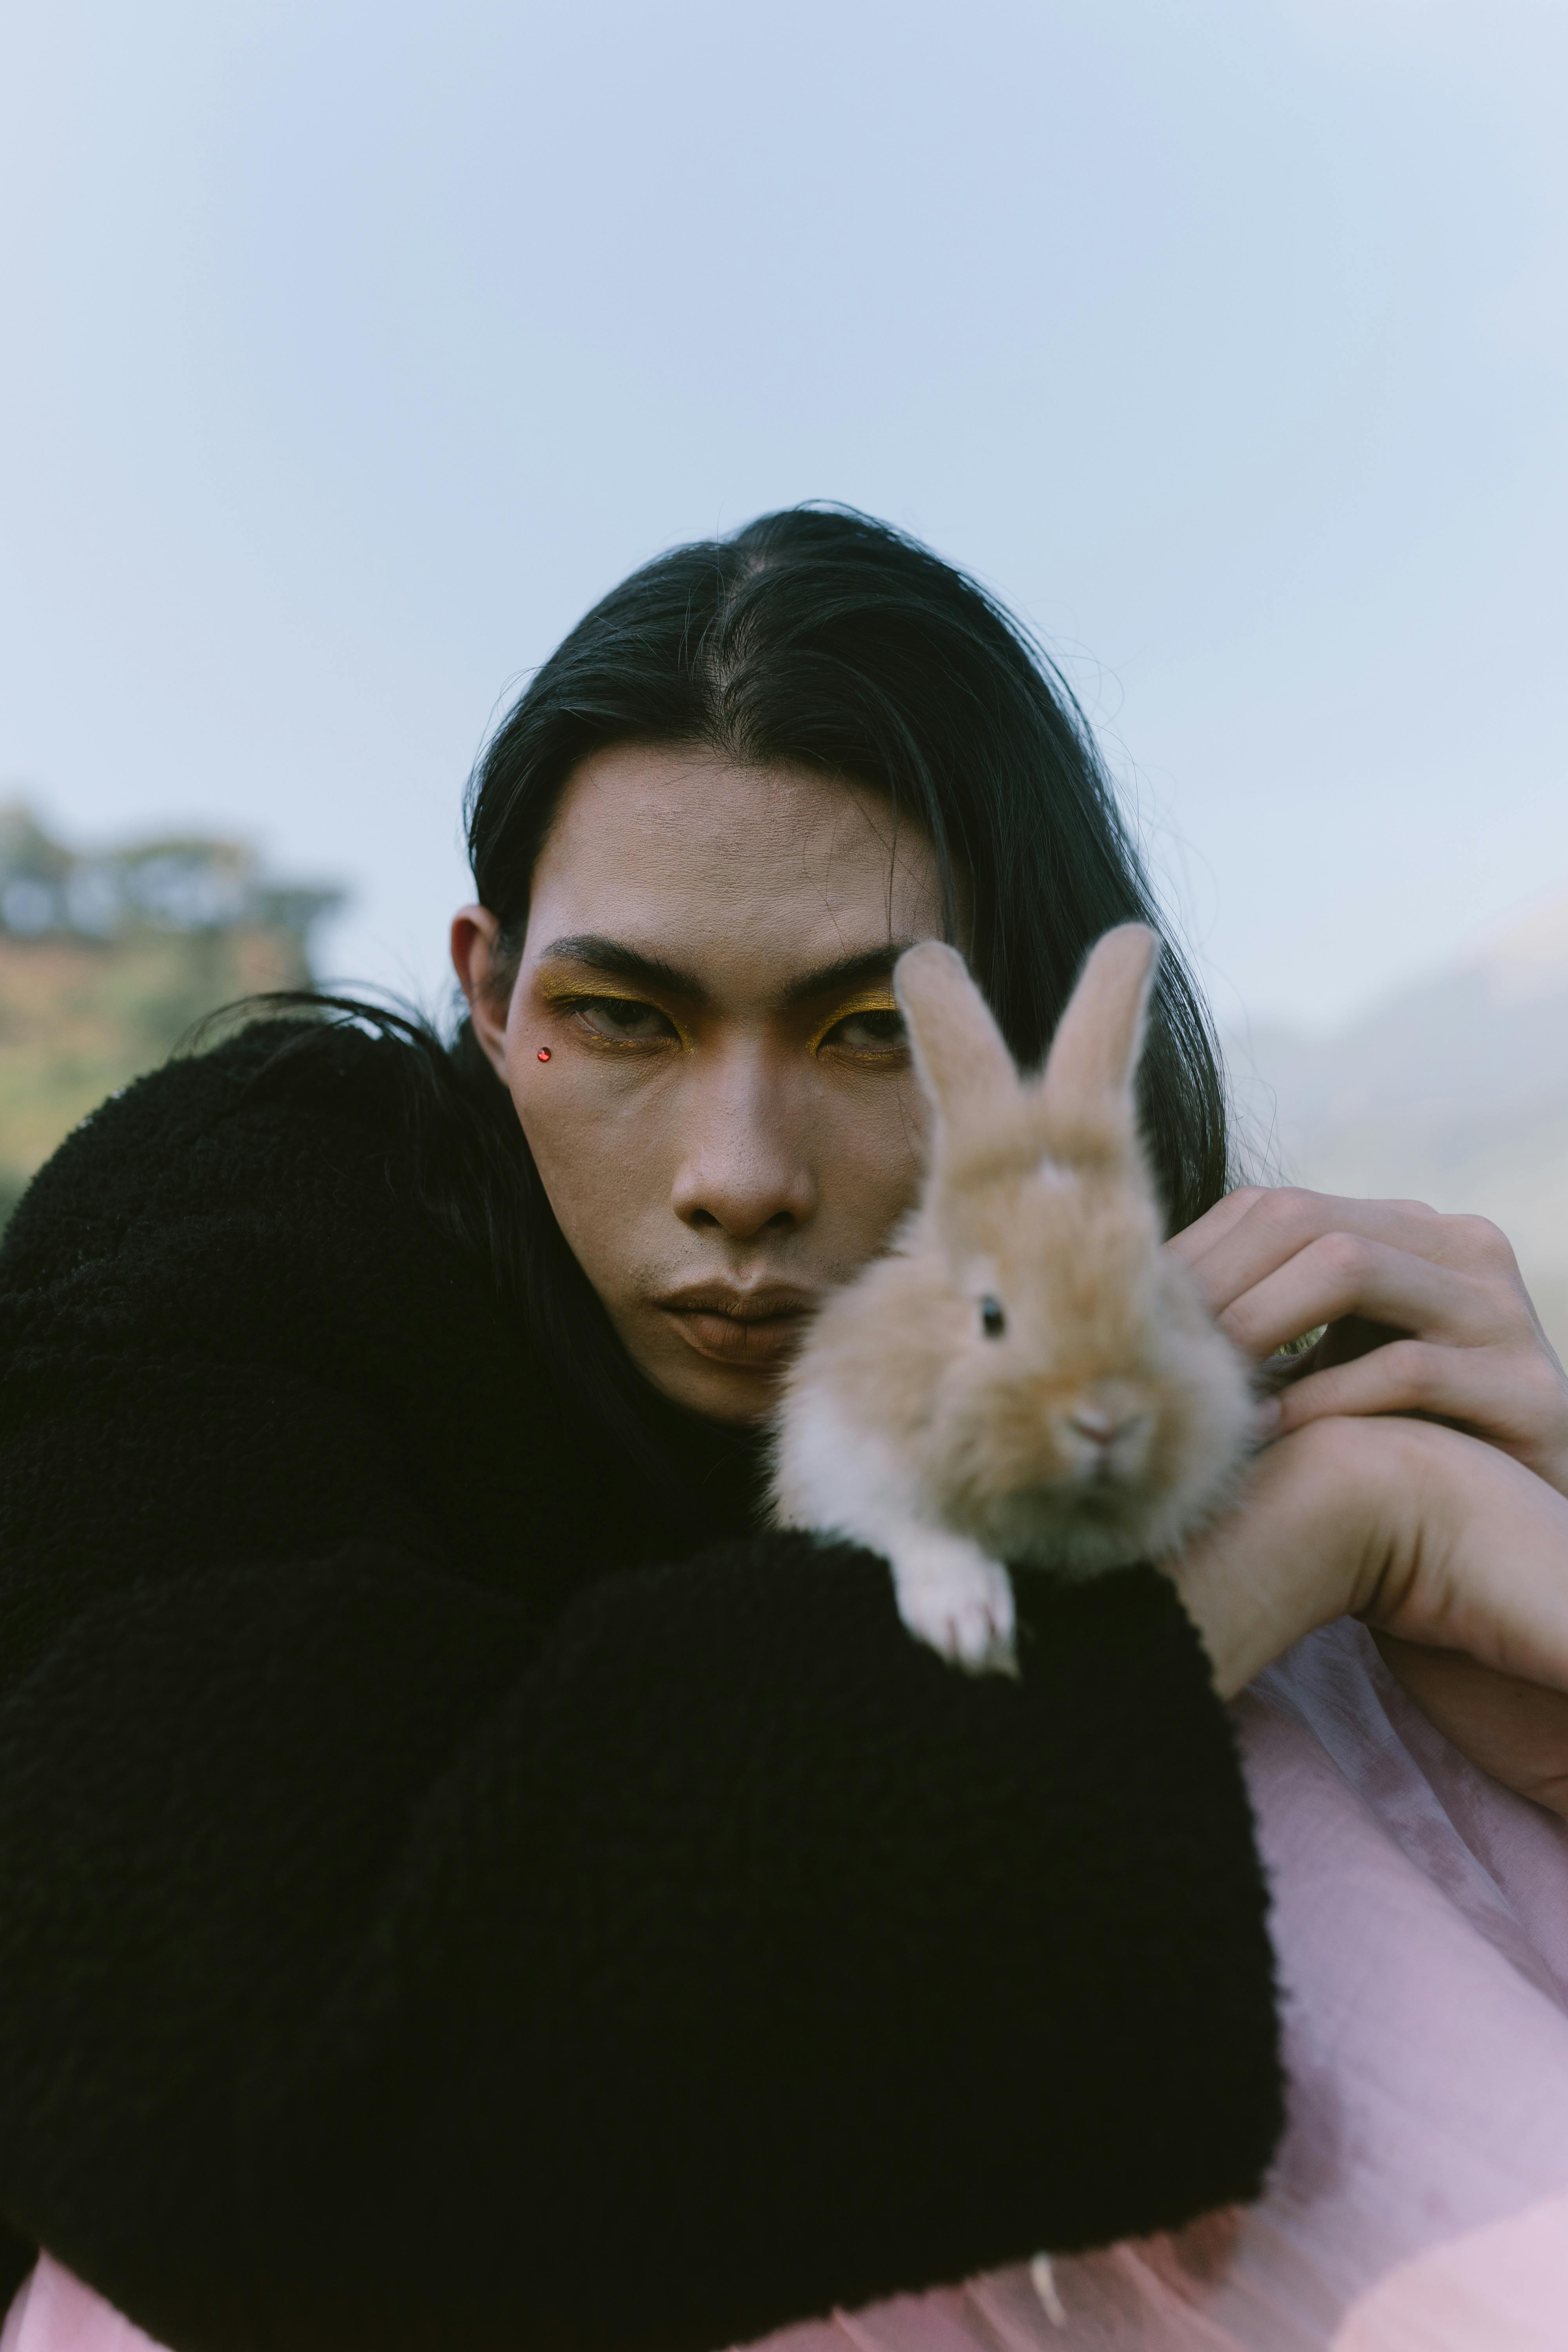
{"points": [[108, 959]]}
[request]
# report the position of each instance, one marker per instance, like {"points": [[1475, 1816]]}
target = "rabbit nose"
{"points": [[1111, 1433], [1089, 1421]]}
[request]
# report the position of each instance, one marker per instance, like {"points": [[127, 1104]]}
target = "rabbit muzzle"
{"points": [[1103, 1441], [1060, 1472]]}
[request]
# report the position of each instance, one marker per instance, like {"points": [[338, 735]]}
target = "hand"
{"points": [[1455, 1556], [1425, 1314]]}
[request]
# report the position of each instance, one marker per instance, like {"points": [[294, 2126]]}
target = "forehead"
{"points": [[673, 848]]}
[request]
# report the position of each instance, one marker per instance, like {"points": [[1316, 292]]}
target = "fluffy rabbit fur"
{"points": [[1027, 1377]]}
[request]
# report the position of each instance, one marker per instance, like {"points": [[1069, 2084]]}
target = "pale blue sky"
{"points": [[351, 350]]}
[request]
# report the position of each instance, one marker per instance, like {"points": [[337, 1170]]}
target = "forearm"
{"points": [[732, 1958], [1453, 1555], [1474, 1556]]}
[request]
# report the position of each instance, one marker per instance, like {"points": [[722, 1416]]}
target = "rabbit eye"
{"points": [[992, 1322]]}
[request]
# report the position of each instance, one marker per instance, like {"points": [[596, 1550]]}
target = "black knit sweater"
{"points": [[451, 1898]]}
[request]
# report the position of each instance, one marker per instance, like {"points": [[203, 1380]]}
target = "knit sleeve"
{"points": [[383, 1966]]}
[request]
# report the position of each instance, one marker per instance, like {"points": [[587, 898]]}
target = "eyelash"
{"points": [[890, 1049], [622, 1005], [894, 1048]]}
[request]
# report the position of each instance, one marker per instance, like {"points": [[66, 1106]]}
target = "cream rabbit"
{"points": [[1027, 1377]]}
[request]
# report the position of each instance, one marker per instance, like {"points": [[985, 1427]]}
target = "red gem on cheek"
{"points": [[544, 1053]]}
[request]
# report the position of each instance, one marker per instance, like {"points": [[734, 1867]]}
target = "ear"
{"points": [[475, 935], [960, 1053], [1087, 1086]]}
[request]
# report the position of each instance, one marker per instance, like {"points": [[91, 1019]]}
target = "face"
{"points": [[704, 1051]]}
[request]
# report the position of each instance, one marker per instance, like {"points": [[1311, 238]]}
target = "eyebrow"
{"points": [[623, 962]]}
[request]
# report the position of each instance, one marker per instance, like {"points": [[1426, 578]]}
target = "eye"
{"points": [[873, 1031], [992, 1322], [623, 1018]]}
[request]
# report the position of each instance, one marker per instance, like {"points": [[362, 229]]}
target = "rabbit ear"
{"points": [[960, 1053], [1087, 1086]]}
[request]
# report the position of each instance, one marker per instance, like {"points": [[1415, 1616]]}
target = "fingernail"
{"points": [[1270, 1414]]}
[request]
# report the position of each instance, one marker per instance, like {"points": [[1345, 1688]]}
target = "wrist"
{"points": [[1402, 1475], [1301, 1546]]}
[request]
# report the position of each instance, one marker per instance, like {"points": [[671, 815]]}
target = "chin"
{"points": [[742, 1400], [741, 1412]]}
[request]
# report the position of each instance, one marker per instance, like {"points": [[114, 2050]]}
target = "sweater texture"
{"points": [[454, 1894]]}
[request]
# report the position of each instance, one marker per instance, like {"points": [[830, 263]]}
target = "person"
{"points": [[468, 1880]]}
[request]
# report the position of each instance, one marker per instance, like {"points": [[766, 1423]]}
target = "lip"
{"points": [[750, 1331]]}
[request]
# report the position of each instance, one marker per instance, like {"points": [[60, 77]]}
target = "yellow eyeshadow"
{"points": [[556, 989], [562, 991], [870, 1000]]}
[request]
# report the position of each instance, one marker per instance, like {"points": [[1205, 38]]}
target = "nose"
{"points": [[746, 1169], [1110, 1428], [1099, 1427]]}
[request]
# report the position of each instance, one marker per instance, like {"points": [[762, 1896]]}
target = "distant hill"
{"points": [[1454, 1092], [108, 959]]}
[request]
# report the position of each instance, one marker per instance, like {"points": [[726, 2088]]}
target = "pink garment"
{"points": [[1420, 2201]]}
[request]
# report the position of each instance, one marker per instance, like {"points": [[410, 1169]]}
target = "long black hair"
{"points": [[820, 637]]}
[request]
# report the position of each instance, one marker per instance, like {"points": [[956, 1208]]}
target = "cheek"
{"points": [[610, 1149], [869, 1154], [599, 1156]]}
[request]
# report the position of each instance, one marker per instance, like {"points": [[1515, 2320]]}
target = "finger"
{"points": [[1341, 1342], [1239, 1251], [1512, 1397], [1195, 1240], [1265, 1228], [1345, 1274]]}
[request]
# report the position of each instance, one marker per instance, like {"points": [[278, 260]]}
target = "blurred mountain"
{"points": [[108, 959], [1454, 1092]]}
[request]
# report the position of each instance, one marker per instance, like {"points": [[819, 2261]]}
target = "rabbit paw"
{"points": [[950, 1596]]}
